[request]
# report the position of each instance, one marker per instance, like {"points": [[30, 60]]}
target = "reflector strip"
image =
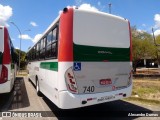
{"points": [[89, 99]]}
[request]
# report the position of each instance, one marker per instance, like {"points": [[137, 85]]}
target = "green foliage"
{"points": [[142, 46], [22, 58], [158, 39]]}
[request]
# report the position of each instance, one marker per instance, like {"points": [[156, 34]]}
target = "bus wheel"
{"points": [[37, 88]]}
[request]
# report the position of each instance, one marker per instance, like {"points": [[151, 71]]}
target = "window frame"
{"points": [[41, 46]]}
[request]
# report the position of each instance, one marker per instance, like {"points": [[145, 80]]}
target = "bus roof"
{"points": [[103, 13], [2, 26]]}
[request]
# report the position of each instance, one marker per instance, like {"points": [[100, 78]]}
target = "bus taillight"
{"points": [[71, 81], [4, 74]]}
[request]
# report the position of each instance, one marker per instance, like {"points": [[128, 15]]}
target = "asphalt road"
{"points": [[23, 98]]}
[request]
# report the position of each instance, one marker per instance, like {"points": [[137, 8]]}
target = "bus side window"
{"points": [[53, 44], [38, 51], [12, 51], [34, 52], [29, 56], [42, 48], [48, 47], [51, 50]]}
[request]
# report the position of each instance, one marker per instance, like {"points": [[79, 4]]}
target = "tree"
{"points": [[158, 39], [143, 46], [22, 58], [157, 44]]}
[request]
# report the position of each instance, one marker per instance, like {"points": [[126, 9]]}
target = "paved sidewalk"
{"points": [[25, 100]]}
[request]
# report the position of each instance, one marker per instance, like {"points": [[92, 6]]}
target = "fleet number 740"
{"points": [[88, 89]]}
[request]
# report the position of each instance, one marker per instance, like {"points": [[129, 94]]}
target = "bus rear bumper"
{"points": [[69, 100], [5, 87]]}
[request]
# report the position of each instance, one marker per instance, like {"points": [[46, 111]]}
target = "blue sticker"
{"points": [[77, 66]]}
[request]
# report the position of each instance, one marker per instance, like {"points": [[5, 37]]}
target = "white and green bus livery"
{"points": [[83, 58]]}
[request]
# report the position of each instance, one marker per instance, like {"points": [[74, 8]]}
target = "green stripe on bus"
{"points": [[96, 54], [49, 66]]}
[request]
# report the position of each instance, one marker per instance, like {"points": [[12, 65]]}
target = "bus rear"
{"points": [[7, 72], [98, 66]]}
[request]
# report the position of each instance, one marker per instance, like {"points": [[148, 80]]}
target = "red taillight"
{"points": [[70, 81], [4, 74]]}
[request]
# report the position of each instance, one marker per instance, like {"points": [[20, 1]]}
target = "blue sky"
{"points": [[37, 15]]}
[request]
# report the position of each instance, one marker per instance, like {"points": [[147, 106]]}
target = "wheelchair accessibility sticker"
{"points": [[77, 66]]}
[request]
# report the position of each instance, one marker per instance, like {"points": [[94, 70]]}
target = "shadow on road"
{"points": [[114, 110], [20, 99], [4, 98]]}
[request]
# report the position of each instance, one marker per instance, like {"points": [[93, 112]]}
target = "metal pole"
{"points": [[110, 7], [20, 43]]}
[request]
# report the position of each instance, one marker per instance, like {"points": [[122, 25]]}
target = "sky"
{"points": [[33, 17]]}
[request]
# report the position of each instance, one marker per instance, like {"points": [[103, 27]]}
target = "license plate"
{"points": [[105, 98]]}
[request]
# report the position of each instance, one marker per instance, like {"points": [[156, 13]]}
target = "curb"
{"points": [[146, 76]]}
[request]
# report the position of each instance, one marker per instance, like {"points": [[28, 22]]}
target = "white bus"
{"points": [[7, 62], [83, 58]]}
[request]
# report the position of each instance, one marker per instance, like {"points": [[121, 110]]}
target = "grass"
{"points": [[146, 91], [145, 101]]}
